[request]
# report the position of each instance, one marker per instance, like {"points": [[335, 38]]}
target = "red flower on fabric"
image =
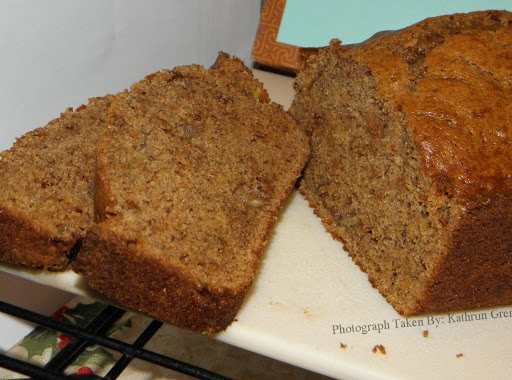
{"points": [[64, 339], [58, 315], [84, 371]]}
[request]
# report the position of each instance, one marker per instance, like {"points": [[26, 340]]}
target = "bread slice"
{"points": [[46, 188], [411, 163], [192, 172]]}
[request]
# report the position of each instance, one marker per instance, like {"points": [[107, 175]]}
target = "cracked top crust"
{"points": [[451, 77]]}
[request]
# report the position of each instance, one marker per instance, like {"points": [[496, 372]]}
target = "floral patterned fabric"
{"points": [[42, 344]]}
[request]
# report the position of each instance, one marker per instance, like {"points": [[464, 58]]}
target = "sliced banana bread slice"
{"points": [[46, 188], [192, 172]]}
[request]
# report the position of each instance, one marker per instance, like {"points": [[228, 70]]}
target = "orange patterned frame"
{"points": [[266, 50]]}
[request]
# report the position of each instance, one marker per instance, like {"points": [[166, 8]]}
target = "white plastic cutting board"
{"points": [[312, 307]]}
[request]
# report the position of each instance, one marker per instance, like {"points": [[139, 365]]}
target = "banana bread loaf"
{"points": [[191, 174], [46, 195], [411, 162]]}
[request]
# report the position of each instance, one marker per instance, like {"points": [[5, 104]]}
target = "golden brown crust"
{"points": [[463, 58], [479, 254], [139, 280], [22, 243], [411, 165]]}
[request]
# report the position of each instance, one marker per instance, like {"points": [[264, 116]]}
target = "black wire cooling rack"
{"points": [[94, 334]]}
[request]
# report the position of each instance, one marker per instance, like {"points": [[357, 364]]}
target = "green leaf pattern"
{"points": [[82, 314], [96, 355], [40, 340], [42, 344]]}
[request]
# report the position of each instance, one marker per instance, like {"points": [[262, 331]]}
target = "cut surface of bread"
{"points": [[191, 174], [46, 182], [411, 164]]}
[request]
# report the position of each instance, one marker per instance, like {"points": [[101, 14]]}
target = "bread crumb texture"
{"points": [[379, 348], [410, 167], [191, 173], [46, 202]]}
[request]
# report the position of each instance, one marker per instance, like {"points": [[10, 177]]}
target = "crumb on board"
{"points": [[276, 303], [379, 348], [459, 356], [425, 333], [308, 313]]}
